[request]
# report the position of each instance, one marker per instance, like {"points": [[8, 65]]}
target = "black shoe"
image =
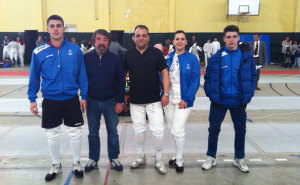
{"points": [[172, 163], [116, 164], [179, 169], [77, 170], [257, 88], [179, 166], [91, 164], [55, 169]]}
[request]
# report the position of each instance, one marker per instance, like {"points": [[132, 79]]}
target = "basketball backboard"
{"points": [[238, 7]]}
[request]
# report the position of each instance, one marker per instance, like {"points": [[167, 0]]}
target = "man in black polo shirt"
{"points": [[144, 64]]}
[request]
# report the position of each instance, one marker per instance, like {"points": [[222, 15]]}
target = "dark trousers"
{"points": [[94, 111], [216, 117], [256, 59]]}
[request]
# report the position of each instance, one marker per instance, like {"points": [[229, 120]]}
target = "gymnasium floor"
{"points": [[272, 142]]}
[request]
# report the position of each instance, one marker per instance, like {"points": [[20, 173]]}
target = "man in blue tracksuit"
{"points": [[105, 96], [60, 65], [230, 82]]}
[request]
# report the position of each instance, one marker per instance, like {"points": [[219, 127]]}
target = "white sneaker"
{"points": [[209, 163], [241, 165], [160, 166], [139, 162]]}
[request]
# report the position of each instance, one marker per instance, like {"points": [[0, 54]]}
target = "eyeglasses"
{"points": [[179, 39], [229, 37], [57, 25]]}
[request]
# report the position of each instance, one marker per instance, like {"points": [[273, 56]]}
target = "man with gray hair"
{"points": [[105, 96]]}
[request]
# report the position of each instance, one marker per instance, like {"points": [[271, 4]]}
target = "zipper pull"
{"points": [[100, 61], [59, 60]]}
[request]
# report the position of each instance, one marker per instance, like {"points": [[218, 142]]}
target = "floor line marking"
{"points": [[281, 159], [228, 160], [286, 85], [260, 150], [107, 173], [8, 131], [201, 160], [275, 90], [12, 91], [248, 119], [68, 180], [255, 160]]}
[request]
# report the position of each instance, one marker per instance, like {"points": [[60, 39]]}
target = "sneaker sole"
{"points": [[139, 166], [113, 168], [160, 172], [78, 176], [180, 170], [213, 165], [58, 172], [235, 165], [91, 169]]}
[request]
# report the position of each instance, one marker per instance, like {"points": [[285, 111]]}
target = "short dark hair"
{"points": [[141, 27], [55, 17], [258, 34], [102, 32], [179, 31], [231, 28]]}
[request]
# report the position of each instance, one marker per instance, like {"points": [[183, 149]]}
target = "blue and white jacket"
{"points": [[230, 76], [189, 68], [62, 72]]}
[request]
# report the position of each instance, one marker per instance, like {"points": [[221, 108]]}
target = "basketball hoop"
{"points": [[244, 16]]}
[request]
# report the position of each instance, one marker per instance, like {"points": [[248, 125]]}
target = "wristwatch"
{"points": [[166, 94]]}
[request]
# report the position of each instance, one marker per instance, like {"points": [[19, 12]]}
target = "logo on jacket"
{"points": [[70, 52], [49, 56], [188, 66], [223, 53], [41, 48], [224, 67]]}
